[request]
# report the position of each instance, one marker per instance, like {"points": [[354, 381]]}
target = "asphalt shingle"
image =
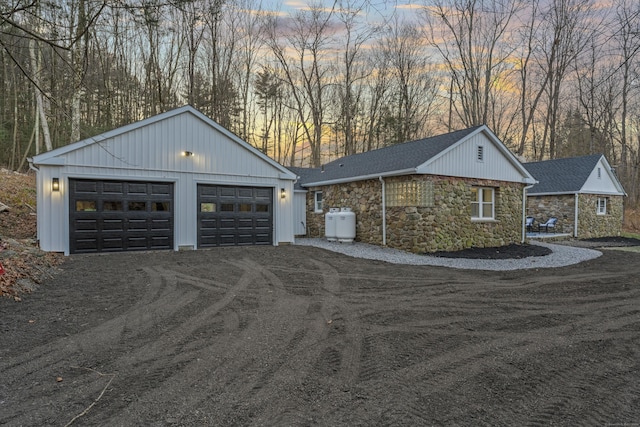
{"points": [[398, 157], [561, 175]]}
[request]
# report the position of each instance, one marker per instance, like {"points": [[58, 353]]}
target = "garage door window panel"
{"points": [[207, 207], [86, 206], [112, 206], [227, 207], [137, 206], [160, 207]]}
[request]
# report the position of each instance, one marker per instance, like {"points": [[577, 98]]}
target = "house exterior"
{"points": [[445, 193], [584, 193], [174, 181]]}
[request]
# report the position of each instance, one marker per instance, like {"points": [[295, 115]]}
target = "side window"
{"points": [[482, 203], [602, 206], [317, 201]]}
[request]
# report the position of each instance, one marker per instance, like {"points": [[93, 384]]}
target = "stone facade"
{"points": [[590, 224], [561, 206], [444, 226]]}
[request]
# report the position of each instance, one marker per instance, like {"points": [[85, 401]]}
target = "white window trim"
{"points": [[481, 202], [315, 202], [600, 211]]}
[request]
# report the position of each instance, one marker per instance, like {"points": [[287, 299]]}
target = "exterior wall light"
{"points": [[283, 194], [55, 184], [187, 153]]}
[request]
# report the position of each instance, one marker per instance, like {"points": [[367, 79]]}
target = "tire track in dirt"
{"points": [[47, 361], [464, 361], [248, 379]]}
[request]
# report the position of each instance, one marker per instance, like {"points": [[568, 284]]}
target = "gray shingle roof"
{"points": [[561, 175], [398, 157]]}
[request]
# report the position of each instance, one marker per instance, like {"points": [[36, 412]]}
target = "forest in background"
{"points": [[552, 78]]}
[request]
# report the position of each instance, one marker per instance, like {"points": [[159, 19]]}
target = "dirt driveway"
{"points": [[300, 336]]}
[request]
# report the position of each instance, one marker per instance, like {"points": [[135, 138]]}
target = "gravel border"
{"points": [[562, 256]]}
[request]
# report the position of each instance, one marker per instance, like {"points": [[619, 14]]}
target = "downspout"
{"points": [[524, 212], [575, 216], [384, 213]]}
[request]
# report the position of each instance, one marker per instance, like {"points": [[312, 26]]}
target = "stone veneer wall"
{"points": [[561, 206], [591, 225], [446, 226]]}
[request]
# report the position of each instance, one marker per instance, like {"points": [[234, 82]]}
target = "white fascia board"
{"points": [[527, 178], [55, 161], [571, 193], [361, 178]]}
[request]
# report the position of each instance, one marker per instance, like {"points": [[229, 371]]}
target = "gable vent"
{"points": [[480, 153]]}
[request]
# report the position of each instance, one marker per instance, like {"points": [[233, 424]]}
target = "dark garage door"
{"points": [[230, 216], [107, 216]]}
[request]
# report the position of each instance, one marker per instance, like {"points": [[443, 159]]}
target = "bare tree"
{"points": [[299, 53], [564, 34], [628, 39], [413, 85], [352, 73], [469, 35]]}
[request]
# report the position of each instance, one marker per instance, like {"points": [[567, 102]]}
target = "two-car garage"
{"points": [[111, 216], [174, 181]]}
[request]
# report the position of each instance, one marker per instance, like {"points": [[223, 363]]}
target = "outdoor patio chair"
{"points": [[530, 221], [549, 225]]}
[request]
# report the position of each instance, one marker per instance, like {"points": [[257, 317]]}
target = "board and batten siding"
{"points": [[603, 185], [300, 213], [462, 160], [153, 152]]}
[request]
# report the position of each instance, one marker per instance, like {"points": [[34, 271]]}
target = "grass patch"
{"points": [[630, 235]]}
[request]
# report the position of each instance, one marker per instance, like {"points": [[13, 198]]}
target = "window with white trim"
{"points": [[482, 203], [409, 193], [601, 206], [317, 201]]}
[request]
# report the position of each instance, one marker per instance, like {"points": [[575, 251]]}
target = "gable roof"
{"points": [[55, 157], [568, 175], [399, 159]]}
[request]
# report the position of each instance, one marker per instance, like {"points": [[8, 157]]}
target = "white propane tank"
{"points": [[345, 225], [330, 220]]}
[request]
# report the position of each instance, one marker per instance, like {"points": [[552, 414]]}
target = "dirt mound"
{"points": [[615, 241], [512, 251], [23, 264]]}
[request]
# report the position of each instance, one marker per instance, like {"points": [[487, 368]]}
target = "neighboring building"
{"points": [[582, 192], [177, 180], [449, 192]]}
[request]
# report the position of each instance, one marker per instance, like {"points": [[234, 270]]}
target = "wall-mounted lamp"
{"points": [[283, 194], [187, 153], [55, 184]]}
